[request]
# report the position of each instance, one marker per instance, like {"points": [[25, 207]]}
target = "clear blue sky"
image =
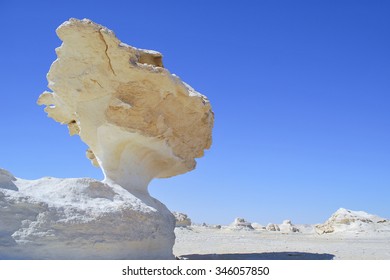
{"points": [[300, 91]]}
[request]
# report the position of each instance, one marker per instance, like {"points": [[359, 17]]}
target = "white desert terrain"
{"points": [[141, 122], [350, 235], [86, 219]]}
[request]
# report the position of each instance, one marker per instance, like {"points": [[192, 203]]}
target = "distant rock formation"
{"points": [[344, 220], [139, 121], [181, 219], [272, 227], [287, 226], [241, 223], [258, 226]]}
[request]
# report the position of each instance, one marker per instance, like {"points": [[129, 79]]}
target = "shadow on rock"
{"points": [[7, 180], [260, 256]]}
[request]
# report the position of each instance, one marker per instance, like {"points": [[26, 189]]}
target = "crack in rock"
{"points": [[105, 51]]}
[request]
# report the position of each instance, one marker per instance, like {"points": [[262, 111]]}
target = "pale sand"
{"points": [[198, 242]]}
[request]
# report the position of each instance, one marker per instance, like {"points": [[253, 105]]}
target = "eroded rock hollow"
{"points": [[139, 121]]}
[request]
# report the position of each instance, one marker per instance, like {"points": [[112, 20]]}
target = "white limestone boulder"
{"points": [[344, 220], [241, 223], [272, 227], [81, 218], [287, 227], [258, 226]]}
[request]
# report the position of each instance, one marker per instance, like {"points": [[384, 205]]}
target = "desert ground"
{"points": [[208, 242]]}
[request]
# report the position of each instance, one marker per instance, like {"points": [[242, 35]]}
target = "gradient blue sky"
{"points": [[300, 91]]}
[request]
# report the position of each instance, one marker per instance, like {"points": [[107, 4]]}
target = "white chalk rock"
{"points": [[258, 226], [272, 227], [139, 121], [287, 227], [344, 220], [182, 220], [81, 218], [241, 223]]}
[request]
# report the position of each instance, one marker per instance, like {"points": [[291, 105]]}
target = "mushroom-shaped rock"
{"points": [[139, 121]]}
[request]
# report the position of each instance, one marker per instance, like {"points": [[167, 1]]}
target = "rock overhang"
{"points": [[131, 111]]}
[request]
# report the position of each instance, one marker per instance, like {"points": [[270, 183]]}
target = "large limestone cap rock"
{"points": [[139, 121]]}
